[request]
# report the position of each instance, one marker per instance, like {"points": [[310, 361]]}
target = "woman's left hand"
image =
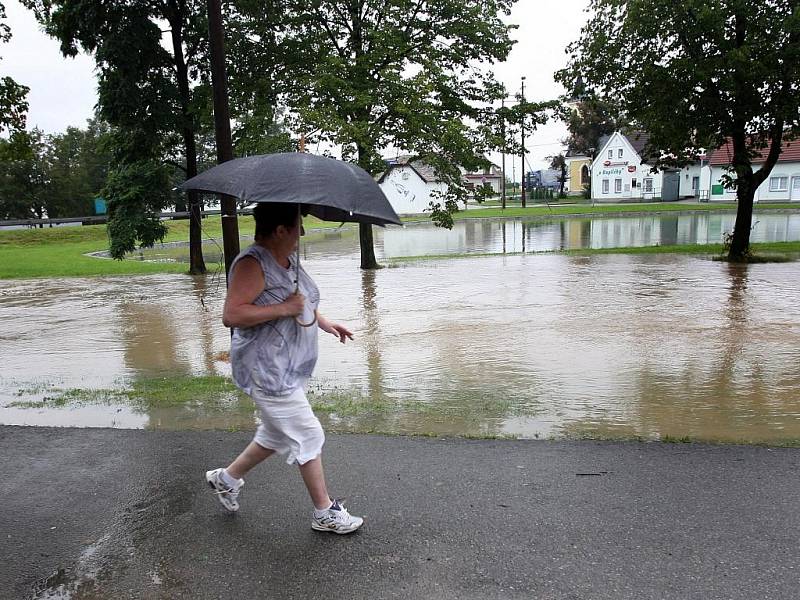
{"points": [[339, 331]]}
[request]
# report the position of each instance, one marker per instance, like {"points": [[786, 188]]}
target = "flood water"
{"points": [[522, 345], [509, 236]]}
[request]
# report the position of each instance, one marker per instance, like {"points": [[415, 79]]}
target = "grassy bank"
{"points": [[773, 251], [61, 251]]}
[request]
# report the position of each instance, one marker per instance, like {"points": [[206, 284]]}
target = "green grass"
{"points": [[61, 251]]}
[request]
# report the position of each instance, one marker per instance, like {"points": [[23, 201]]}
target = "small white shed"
{"points": [[410, 186]]}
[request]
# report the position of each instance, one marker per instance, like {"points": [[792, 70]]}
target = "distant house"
{"points": [[782, 185], [491, 175], [621, 172], [410, 185]]}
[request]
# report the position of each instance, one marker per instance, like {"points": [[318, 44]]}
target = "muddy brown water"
{"points": [[522, 345]]}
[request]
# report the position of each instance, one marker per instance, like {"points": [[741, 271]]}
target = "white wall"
{"points": [[407, 192], [687, 174], [713, 176]]}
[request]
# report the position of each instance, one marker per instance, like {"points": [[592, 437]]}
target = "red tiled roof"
{"points": [[722, 156]]}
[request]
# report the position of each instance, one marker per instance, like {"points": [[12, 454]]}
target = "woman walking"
{"points": [[272, 307]]}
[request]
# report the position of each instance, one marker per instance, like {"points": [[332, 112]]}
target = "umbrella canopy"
{"points": [[331, 190]]}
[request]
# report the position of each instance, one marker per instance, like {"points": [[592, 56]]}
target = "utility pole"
{"points": [[523, 144], [222, 128], [503, 135]]}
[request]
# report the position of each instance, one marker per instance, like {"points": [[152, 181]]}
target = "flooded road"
{"points": [[523, 345]]}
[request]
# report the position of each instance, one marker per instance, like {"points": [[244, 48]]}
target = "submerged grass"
{"points": [[217, 395]]}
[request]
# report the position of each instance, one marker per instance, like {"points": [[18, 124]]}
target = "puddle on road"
{"points": [[525, 346]]}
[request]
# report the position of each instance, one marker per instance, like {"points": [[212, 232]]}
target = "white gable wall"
{"points": [[407, 192], [627, 177]]}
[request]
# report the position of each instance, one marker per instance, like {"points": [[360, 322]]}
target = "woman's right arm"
{"points": [[245, 287]]}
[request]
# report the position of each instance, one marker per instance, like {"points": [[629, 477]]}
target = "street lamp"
{"points": [[522, 95]]}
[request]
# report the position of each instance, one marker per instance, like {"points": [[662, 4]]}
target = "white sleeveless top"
{"points": [[276, 356]]}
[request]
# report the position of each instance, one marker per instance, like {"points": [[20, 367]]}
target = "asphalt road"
{"points": [[99, 513]]}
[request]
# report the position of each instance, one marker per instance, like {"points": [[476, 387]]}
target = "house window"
{"points": [[605, 186], [619, 153], [647, 185], [633, 183], [618, 186], [778, 184], [610, 154]]}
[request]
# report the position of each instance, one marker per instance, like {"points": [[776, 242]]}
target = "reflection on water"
{"points": [[525, 345], [502, 236]]}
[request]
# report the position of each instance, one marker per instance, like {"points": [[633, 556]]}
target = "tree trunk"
{"points": [[365, 229], [745, 193], [367, 249], [197, 265], [222, 129], [740, 242]]}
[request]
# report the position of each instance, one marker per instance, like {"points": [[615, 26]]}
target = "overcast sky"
{"points": [[62, 91]]}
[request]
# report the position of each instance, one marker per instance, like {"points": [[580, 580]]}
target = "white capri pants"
{"points": [[289, 426]]}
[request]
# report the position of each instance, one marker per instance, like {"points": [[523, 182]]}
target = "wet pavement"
{"points": [[100, 513]]}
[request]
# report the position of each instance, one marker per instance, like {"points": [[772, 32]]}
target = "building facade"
{"points": [[410, 186], [578, 173], [782, 185]]}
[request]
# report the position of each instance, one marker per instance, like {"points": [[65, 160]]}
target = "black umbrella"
{"points": [[329, 189]]}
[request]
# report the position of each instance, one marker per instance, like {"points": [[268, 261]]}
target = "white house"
{"points": [[410, 185], [620, 173], [491, 175], [782, 185]]}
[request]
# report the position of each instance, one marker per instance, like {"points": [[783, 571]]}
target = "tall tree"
{"points": [[146, 78], [13, 102], [696, 74], [588, 119], [366, 76]]}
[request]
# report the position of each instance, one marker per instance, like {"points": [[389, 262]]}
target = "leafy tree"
{"points": [[400, 73], [695, 74], [588, 120], [137, 192], [23, 175], [13, 103], [78, 162], [145, 89]]}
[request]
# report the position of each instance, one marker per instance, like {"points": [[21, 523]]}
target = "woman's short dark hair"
{"points": [[270, 215]]}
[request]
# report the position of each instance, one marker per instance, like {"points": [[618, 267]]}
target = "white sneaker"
{"points": [[227, 495], [336, 520]]}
